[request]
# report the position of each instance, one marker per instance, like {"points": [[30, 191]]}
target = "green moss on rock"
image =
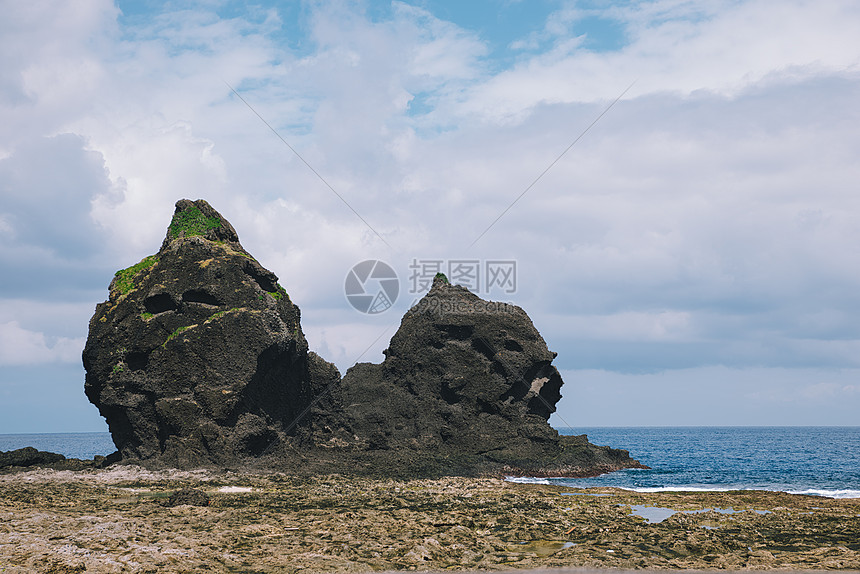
{"points": [[231, 251], [124, 278], [176, 333], [220, 314], [280, 293], [190, 222]]}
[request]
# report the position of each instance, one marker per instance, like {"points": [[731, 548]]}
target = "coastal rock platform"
{"points": [[116, 520]]}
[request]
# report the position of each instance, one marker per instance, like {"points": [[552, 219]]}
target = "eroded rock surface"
{"points": [[198, 357], [29, 457], [120, 520], [471, 381]]}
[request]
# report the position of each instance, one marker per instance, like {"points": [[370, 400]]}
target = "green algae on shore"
{"points": [[115, 520]]}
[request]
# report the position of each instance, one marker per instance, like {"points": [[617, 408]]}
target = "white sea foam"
{"points": [[844, 493], [828, 493], [684, 489], [812, 491], [526, 480]]}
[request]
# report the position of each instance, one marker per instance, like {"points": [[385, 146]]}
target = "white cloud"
{"points": [[709, 396], [704, 220], [46, 185], [51, 246], [49, 54], [345, 344], [631, 326], [444, 52], [682, 47], [19, 346], [61, 318], [823, 391], [158, 165], [6, 227]]}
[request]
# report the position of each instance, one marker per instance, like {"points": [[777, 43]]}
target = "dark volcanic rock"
{"points": [[461, 374], [472, 382], [28, 456], [198, 358], [189, 496]]}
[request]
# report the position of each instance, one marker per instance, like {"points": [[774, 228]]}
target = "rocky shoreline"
{"points": [[123, 519], [578, 459]]}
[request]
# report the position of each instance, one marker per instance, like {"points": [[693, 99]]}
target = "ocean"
{"points": [[84, 445], [823, 461]]}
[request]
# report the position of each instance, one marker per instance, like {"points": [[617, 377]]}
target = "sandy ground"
{"points": [[115, 520]]}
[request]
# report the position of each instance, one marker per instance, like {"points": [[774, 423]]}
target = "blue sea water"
{"points": [[83, 445], [803, 460], [823, 461]]}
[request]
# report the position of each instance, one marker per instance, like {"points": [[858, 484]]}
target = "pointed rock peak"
{"points": [[440, 281], [442, 287], [198, 218]]}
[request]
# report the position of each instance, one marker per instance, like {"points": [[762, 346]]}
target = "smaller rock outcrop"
{"points": [[29, 457], [467, 385], [188, 496], [461, 374]]}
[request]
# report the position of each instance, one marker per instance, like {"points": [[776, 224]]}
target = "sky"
{"points": [[676, 182]]}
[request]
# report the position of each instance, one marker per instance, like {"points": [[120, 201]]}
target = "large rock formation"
{"points": [[461, 375], [198, 357]]}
